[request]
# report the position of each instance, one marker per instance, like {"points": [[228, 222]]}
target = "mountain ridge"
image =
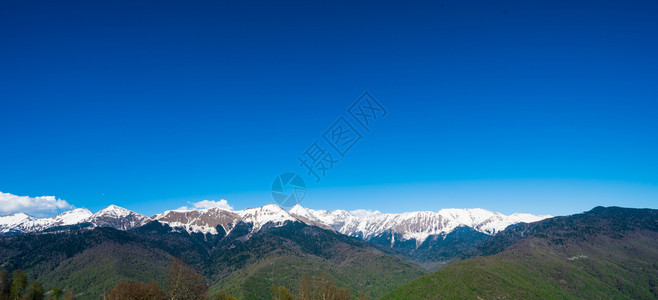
{"points": [[415, 225], [364, 224]]}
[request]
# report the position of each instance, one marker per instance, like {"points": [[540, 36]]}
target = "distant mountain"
{"points": [[207, 220], [432, 239], [605, 253], [111, 216], [426, 236], [22, 223], [416, 226], [117, 217], [244, 262]]}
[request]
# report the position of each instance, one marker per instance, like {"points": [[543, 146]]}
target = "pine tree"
{"points": [[18, 285]]}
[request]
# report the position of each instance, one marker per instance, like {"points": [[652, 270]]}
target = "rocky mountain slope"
{"points": [[117, 217], [208, 220]]}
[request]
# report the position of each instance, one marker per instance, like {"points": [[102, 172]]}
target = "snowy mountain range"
{"points": [[417, 226], [22, 223], [414, 225]]}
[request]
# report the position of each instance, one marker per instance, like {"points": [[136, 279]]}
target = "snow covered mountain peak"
{"points": [[270, 213], [21, 222], [209, 220], [300, 210], [363, 213], [205, 221], [365, 224], [270, 207], [14, 219], [413, 225], [72, 217], [331, 218], [117, 217], [114, 211]]}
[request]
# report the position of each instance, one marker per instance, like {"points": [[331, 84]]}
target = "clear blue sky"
{"points": [[507, 105]]}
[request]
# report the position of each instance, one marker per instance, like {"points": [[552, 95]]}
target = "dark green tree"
{"points": [[18, 285], [35, 291], [5, 285]]}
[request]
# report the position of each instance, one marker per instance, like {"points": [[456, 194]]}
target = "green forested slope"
{"points": [[603, 253], [283, 255]]}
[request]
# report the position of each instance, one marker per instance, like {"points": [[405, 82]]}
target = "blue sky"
{"points": [[506, 105]]}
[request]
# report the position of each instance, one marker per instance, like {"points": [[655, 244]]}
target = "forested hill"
{"points": [[603, 253]]}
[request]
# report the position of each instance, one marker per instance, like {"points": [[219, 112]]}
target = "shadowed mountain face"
{"points": [[416, 226], [437, 250], [431, 239], [604, 253], [282, 255], [117, 217], [245, 262]]}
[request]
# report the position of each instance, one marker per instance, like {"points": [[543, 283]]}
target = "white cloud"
{"points": [[362, 213], [37, 206], [223, 204]]}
